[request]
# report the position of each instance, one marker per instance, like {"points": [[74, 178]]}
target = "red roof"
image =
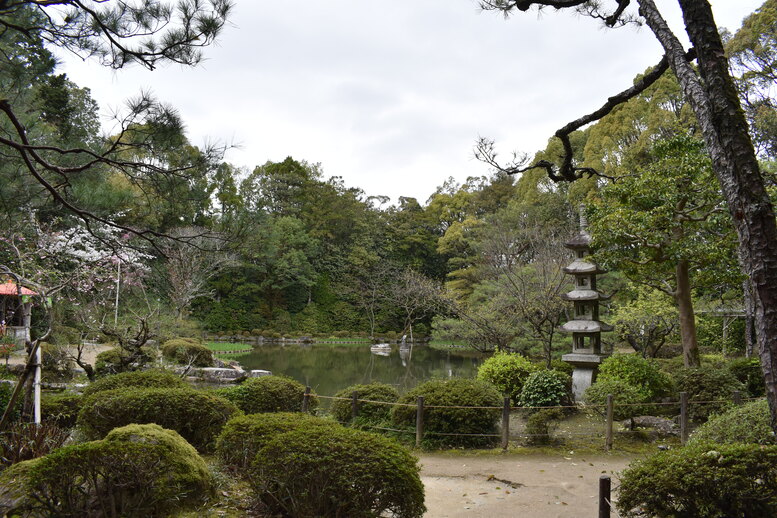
{"points": [[9, 288]]}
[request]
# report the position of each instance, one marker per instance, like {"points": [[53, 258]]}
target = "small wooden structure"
{"points": [[585, 327], [15, 311]]}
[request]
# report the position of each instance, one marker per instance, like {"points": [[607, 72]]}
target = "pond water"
{"points": [[328, 369]]}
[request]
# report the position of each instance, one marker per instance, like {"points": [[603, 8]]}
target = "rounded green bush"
{"points": [[60, 409], [507, 372], [748, 423], [243, 436], [540, 425], [154, 378], [187, 351], [562, 366], [113, 361], [711, 388], [336, 471], [368, 412], [626, 399], [269, 394], [198, 416], [546, 388], [645, 375], [137, 471], [704, 480], [748, 371], [455, 392]]}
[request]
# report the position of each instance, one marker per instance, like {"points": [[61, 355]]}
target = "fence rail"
{"points": [[683, 405]]}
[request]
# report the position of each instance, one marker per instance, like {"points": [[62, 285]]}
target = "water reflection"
{"points": [[328, 369]]}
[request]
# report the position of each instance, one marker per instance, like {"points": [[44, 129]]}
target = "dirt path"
{"points": [[502, 486], [89, 354]]}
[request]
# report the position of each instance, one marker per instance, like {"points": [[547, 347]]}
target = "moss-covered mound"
{"points": [[368, 412], [154, 378], [268, 394]]}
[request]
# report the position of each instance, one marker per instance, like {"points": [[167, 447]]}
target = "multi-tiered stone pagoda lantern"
{"points": [[585, 327]]}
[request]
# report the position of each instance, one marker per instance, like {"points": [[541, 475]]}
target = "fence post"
{"points": [[604, 496], [683, 418], [506, 423], [737, 397], [608, 432], [354, 405], [419, 421], [306, 400]]}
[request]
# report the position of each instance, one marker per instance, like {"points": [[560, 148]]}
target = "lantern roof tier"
{"points": [[586, 326], [581, 241], [580, 266], [584, 295]]}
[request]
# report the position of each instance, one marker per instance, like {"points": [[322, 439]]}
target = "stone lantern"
{"points": [[585, 326]]}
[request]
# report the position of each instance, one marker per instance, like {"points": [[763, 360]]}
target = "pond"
{"points": [[328, 369]]}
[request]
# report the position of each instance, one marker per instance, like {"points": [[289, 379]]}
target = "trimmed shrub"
{"points": [[507, 372], [60, 409], [562, 366], [137, 471], [622, 394], [704, 480], [114, 361], [645, 375], [197, 416], [187, 351], [458, 392], [139, 379], [748, 423], [546, 388], [368, 412], [336, 471], [748, 372], [268, 394], [711, 387], [243, 436], [540, 425]]}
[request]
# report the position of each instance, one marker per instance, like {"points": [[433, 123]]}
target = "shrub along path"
{"points": [[495, 485]]}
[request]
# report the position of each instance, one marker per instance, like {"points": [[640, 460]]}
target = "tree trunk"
{"points": [[750, 340], [715, 102], [687, 318]]}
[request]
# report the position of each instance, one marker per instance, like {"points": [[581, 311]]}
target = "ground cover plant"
{"points": [[197, 415], [747, 423], [336, 471], [474, 424], [136, 471]]}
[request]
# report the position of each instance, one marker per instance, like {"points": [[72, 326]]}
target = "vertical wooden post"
{"points": [[506, 423], [604, 496], [683, 418], [306, 400], [737, 397], [354, 405], [608, 432], [419, 421]]}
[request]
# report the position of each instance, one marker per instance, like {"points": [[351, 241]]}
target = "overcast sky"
{"points": [[392, 96]]}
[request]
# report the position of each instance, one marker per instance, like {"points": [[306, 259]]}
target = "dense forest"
{"points": [[164, 231]]}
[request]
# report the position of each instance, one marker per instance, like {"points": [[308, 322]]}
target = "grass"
{"points": [[224, 346]]}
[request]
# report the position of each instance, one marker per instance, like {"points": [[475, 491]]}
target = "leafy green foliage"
{"points": [[748, 423], [139, 379], [546, 388], [712, 388], [6, 389], [187, 351], [645, 323], [748, 372], [626, 398], [638, 372], [137, 471], [197, 416], [540, 425], [705, 480], [368, 412], [269, 394], [243, 436], [115, 361], [335, 471], [61, 409], [507, 372], [455, 392]]}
